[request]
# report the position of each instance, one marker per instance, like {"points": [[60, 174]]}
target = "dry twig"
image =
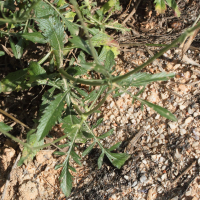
{"points": [[185, 172], [133, 12]]}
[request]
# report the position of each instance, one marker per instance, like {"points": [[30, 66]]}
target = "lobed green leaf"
{"points": [[51, 114], [88, 149], [5, 127], [162, 111]]}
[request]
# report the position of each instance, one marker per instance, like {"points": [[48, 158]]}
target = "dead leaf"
{"points": [[190, 61], [189, 42]]}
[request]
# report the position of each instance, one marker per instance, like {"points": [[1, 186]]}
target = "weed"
{"points": [[65, 27]]}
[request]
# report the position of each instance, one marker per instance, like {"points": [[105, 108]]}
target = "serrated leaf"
{"points": [[72, 168], [99, 121], [5, 127], [46, 100], [59, 153], [160, 6], [68, 125], [82, 92], [162, 111], [53, 30], [35, 37], [65, 176], [110, 132], [117, 159], [35, 69], [101, 39], [42, 9], [19, 47], [88, 149], [58, 166], [51, 115], [75, 157], [93, 30], [100, 159], [77, 71], [80, 43], [12, 80], [115, 146], [141, 91], [110, 61], [66, 179], [87, 135], [91, 96], [142, 79]]}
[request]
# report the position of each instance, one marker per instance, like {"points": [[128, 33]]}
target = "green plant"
{"points": [[66, 101], [161, 6]]}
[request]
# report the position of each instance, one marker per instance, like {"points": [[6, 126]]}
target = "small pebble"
{"points": [[143, 179], [182, 131], [126, 177], [173, 125], [134, 184], [175, 198], [195, 144], [189, 120], [159, 189], [190, 111], [155, 144]]}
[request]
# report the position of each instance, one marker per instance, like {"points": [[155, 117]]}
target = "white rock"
{"points": [[195, 144], [160, 189], [190, 111], [162, 159], [162, 136], [195, 114], [175, 198], [182, 107], [182, 131], [126, 177], [188, 120], [173, 125], [157, 116], [155, 144], [143, 179], [144, 161], [134, 184], [177, 154], [164, 177]]}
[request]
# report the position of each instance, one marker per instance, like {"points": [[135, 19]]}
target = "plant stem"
{"points": [[119, 78], [16, 139], [99, 93], [13, 118], [99, 105], [93, 51], [83, 81], [161, 52]]}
